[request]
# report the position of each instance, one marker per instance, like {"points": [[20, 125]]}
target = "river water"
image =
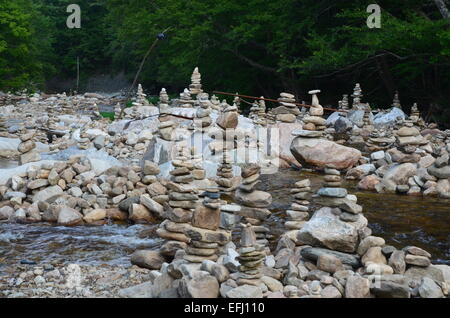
{"points": [[400, 220]]}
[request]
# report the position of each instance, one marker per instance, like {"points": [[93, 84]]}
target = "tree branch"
{"points": [[442, 7]]}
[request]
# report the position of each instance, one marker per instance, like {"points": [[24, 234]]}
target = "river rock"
{"points": [[255, 199], [429, 289], [326, 229], [388, 289], [368, 242], [357, 287], [200, 285], [245, 291], [95, 215], [69, 217], [441, 173], [147, 259], [47, 194], [321, 153], [397, 262]]}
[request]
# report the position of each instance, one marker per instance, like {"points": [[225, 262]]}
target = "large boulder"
{"points": [[147, 259], [390, 117], [325, 229], [398, 175], [321, 153]]}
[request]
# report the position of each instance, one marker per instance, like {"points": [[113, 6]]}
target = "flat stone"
{"points": [[333, 192]]}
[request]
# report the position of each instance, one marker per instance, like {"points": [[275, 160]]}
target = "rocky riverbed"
{"points": [[189, 198]]}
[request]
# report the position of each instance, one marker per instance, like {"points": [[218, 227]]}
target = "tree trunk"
{"points": [[440, 4]]}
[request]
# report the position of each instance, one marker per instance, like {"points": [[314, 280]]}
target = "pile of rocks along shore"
{"points": [[70, 281], [332, 255]]}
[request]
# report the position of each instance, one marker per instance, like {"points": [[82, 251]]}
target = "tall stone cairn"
{"points": [[196, 82], [297, 215], [251, 257]]}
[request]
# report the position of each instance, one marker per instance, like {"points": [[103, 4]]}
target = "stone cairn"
{"points": [[141, 98], [396, 102], [225, 174], [254, 202], [408, 139], [441, 170], [251, 257], [2, 125], [288, 111], [117, 111], [198, 173], [182, 202], [334, 196], [186, 100], [237, 102], [380, 139], [298, 211], [196, 82], [204, 111], [27, 148], [367, 124], [205, 216], [215, 103], [163, 102], [343, 104], [84, 141], [357, 96], [262, 120], [314, 121]]}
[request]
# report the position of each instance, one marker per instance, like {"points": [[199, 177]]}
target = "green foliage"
{"points": [[109, 115], [256, 47]]}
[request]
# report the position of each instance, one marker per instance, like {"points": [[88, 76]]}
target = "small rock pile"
{"points": [[186, 100], [288, 111], [254, 202], [196, 82], [225, 177], [163, 101], [396, 102], [205, 216], [203, 112], [298, 211], [314, 121], [251, 257], [27, 148]]}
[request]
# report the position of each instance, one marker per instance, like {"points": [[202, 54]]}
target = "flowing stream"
{"points": [[400, 220]]}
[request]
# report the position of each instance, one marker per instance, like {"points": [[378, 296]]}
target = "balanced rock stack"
{"points": [[141, 98], [229, 117], [396, 102], [237, 102], [441, 170], [166, 129], [163, 102], [84, 141], [2, 125], [206, 216], [182, 201], [215, 103], [367, 124], [203, 112], [117, 111], [186, 100], [196, 82], [198, 173], [253, 113], [332, 195], [271, 118], [226, 179], [27, 148], [343, 104], [254, 202], [288, 110], [298, 211], [408, 139], [262, 113], [314, 121], [380, 140], [251, 257], [415, 116], [357, 96]]}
